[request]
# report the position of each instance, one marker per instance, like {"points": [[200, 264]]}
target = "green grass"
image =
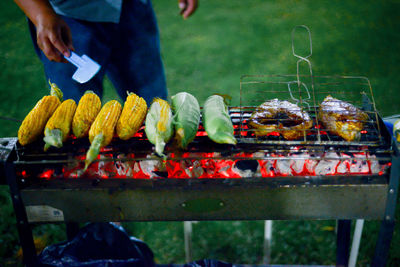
{"points": [[207, 54]]}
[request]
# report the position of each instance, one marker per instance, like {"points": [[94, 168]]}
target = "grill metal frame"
{"points": [[348, 196], [361, 196]]}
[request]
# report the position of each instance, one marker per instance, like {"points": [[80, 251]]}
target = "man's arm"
{"points": [[188, 7], [52, 33]]}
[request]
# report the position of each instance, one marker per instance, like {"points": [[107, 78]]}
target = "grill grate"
{"points": [[371, 141], [316, 135], [31, 161], [308, 92]]}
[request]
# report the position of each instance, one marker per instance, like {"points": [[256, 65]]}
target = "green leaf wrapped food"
{"points": [[158, 124], [217, 122], [186, 118]]}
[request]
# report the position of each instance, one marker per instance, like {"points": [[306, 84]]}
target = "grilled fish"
{"points": [[342, 118], [280, 116]]}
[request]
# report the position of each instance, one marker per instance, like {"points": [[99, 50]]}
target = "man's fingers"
{"points": [[191, 7], [69, 44], [49, 50], [57, 41], [67, 38]]}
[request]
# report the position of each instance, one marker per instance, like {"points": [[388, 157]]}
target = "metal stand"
{"points": [[23, 227], [267, 242], [187, 232], [343, 238], [356, 242], [343, 243], [387, 226]]}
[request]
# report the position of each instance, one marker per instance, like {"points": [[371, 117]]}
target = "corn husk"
{"points": [[186, 118], [158, 125], [217, 122]]}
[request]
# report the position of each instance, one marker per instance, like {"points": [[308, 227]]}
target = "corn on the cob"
{"points": [[186, 118], [217, 122], [88, 108], [159, 129], [33, 125], [132, 116], [102, 130], [59, 125]]}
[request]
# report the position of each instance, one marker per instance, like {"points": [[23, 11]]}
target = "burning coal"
{"points": [[213, 165]]}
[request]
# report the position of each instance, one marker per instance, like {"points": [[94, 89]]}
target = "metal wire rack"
{"points": [[307, 92]]}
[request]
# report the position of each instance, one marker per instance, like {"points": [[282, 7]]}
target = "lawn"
{"points": [[207, 54]]}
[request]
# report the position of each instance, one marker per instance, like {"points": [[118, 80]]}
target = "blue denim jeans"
{"points": [[128, 52]]}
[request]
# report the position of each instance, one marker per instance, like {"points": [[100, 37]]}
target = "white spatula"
{"points": [[87, 67]]}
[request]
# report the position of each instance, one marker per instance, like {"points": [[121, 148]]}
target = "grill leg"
{"points": [[383, 243], [356, 242], [187, 230], [23, 227], [387, 225], [267, 242], [343, 243]]}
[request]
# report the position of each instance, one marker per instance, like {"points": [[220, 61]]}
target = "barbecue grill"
{"points": [[318, 176]]}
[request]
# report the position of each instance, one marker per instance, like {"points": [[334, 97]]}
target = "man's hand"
{"points": [[187, 7], [54, 37], [52, 33]]}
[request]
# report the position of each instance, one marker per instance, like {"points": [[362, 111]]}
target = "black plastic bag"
{"points": [[98, 244]]}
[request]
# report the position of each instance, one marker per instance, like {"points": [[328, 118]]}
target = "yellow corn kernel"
{"points": [[159, 128], [106, 121], [33, 124], [88, 108], [59, 125], [132, 116], [164, 114], [102, 130]]}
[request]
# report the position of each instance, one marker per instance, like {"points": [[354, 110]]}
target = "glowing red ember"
{"points": [[213, 165]]}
